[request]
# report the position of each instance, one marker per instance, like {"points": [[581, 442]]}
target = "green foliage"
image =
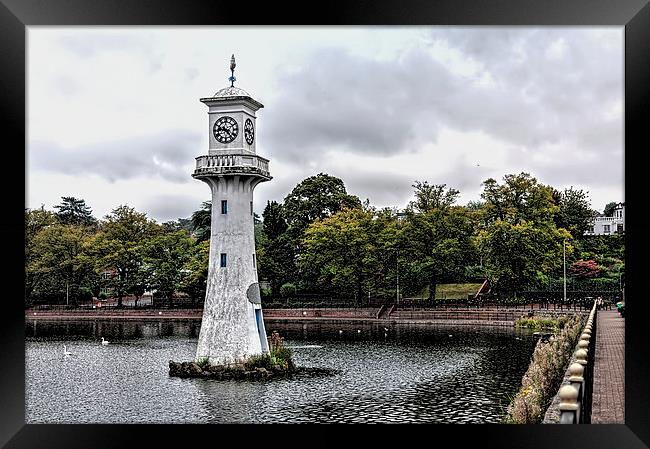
{"points": [[279, 356], [519, 198], [165, 259], [538, 323], [544, 376], [430, 197], [74, 211], [288, 289], [201, 221], [120, 244], [203, 362], [316, 197], [575, 213], [609, 209], [437, 246]]}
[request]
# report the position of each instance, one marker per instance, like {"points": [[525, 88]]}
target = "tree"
{"points": [[515, 254], [201, 221], [428, 198], [585, 269], [119, 245], [165, 262], [59, 261], [609, 209], [196, 269], [35, 221], [74, 211], [275, 248], [575, 214], [274, 224], [316, 197], [438, 245], [519, 198], [338, 247]]}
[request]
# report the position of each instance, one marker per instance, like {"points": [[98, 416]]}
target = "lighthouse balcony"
{"points": [[232, 164]]}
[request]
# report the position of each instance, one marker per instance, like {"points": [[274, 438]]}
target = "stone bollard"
{"points": [[581, 357], [577, 379], [569, 406], [584, 345]]}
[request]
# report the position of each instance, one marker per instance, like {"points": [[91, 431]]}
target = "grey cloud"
{"points": [[539, 96], [171, 207], [94, 43], [167, 155]]}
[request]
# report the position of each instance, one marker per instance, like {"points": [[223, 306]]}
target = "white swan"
{"points": [[104, 342], [65, 351]]}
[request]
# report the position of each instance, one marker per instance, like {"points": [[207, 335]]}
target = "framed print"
{"points": [[367, 149]]}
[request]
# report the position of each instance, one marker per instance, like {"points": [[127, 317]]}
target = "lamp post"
{"points": [[564, 257], [399, 215]]}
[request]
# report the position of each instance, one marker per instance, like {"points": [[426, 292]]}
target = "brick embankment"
{"points": [[608, 406], [504, 316], [125, 314]]}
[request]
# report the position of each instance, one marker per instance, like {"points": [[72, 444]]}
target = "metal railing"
{"points": [[576, 396]]}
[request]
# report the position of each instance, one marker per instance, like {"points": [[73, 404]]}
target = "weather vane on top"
{"points": [[232, 78]]}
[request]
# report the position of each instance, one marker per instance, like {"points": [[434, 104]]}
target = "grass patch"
{"points": [[279, 356], [452, 291], [542, 324]]}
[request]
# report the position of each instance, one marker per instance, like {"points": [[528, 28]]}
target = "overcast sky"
{"points": [[114, 115]]}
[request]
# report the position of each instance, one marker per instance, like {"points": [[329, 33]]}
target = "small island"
{"points": [[278, 363]]}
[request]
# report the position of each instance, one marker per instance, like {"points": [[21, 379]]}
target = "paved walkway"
{"points": [[608, 406]]}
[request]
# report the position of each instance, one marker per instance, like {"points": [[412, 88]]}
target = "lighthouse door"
{"points": [[260, 330]]}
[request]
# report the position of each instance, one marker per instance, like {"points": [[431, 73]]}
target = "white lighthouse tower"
{"points": [[232, 328]]}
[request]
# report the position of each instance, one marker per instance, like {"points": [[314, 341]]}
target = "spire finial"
{"points": [[232, 78]]}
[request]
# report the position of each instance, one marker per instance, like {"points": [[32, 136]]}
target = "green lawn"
{"points": [[452, 291]]}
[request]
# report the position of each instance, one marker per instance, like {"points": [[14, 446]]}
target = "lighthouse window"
{"points": [[251, 208], [223, 259], [224, 206], [253, 260]]}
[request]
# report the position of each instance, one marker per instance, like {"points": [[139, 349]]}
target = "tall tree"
{"points": [[338, 248], [515, 255], [275, 249], [274, 224], [438, 245], [575, 213], [609, 209], [316, 197], [430, 197], [35, 221], [119, 246], [201, 222], [58, 255], [74, 211], [165, 261], [196, 270], [520, 197]]}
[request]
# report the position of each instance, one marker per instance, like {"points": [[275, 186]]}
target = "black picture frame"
{"points": [[15, 15]]}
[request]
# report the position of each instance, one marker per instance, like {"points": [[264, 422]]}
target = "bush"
{"points": [[279, 356], [288, 289], [544, 375], [102, 295], [85, 294], [266, 292]]}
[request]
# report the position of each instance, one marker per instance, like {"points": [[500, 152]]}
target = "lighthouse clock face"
{"points": [[225, 129], [249, 132]]}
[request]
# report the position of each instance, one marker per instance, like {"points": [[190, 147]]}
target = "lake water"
{"points": [[410, 373]]}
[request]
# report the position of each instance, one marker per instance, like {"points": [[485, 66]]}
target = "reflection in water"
{"points": [[389, 373]]}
